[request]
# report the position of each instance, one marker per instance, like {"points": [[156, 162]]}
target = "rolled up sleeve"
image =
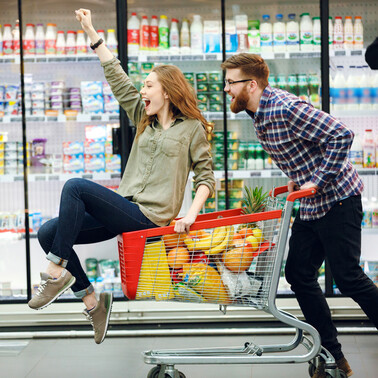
{"points": [[123, 89], [201, 159]]}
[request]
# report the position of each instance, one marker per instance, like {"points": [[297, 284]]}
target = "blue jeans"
{"points": [[88, 213], [337, 237]]}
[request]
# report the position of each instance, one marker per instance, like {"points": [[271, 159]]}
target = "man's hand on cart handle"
{"points": [[292, 186], [182, 226]]}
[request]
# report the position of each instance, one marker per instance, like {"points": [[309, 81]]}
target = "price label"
{"points": [[40, 178], [113, 117], [279, 55], [51, 119], [175, 58], [53, 178], [255, 174], [84, 58], [340, 53], [276, 174], [211, 57], [18, 178], [355, 52], [35, 118], [186, 57], [133, 58], [294, 55], [16, 119], [88, 176], [115, 175], [96, 118], [162, 58], [197, 57], [150, 58]]}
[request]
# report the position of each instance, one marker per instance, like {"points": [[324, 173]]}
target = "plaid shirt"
{"points": [[307, 145]]}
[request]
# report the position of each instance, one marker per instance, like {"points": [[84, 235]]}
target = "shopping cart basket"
{"points": [[228, 258]]}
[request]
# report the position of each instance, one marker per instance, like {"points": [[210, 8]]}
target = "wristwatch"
{"points": [[98, 43]]}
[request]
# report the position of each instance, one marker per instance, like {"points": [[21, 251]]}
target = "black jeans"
{"points": [[337, 236], [88, 213]]}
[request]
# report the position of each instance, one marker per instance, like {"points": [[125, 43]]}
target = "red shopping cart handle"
{"points": [[293, 195]]}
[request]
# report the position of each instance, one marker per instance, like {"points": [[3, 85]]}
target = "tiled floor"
{"points": [[121, 357]]}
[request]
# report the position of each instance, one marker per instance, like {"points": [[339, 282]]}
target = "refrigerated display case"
{"points": [[13, 243], [238, 159]]}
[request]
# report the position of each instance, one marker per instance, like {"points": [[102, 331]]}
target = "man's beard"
{"points": [[240, 102]]}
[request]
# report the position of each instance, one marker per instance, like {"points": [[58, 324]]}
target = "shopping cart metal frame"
{"points": [[249, 353]]}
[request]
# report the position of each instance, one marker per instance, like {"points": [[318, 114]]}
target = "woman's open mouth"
{"points": [[147, 102]]}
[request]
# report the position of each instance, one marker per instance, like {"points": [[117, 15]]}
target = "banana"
{"points": [[222, 246], [208, 242]]}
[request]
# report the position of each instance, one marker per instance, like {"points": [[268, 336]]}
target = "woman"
{"points": [[170, 140]]}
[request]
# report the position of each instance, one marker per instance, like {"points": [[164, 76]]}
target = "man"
{"points": [[311, 148], [371, 55]]}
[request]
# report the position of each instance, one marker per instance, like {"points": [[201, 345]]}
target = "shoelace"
{"points": [[41, 287], [89, 317]]}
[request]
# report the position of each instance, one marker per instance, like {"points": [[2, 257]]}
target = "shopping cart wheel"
{"points": [[154, 373], [339, 373]]}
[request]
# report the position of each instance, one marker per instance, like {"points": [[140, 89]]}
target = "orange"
{"points": [[174, 240], [244, 232], [238, 259], [198, 234], [177, 257]]}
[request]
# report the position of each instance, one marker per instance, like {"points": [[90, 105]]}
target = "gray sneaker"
{"points": [[99, 316], [50, 289]]}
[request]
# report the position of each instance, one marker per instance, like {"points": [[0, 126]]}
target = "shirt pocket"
{"points": [[171, 147]]}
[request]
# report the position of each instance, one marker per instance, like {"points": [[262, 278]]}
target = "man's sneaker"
{"points": [[50, 289], [99, 316]]}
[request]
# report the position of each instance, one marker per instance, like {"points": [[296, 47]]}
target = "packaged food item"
{"points": [[186, 293]]}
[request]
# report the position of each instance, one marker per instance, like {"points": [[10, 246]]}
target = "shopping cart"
{"points": [[231, 259]]}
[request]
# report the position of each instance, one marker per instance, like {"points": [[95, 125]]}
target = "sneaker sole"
{"points": [[107, 318], [65, 288]]}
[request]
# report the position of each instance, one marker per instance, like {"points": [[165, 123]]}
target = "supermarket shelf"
{"points": [[271, 173], [344, 53], [33, 177], [355, 113], [164, 57], [61, 118]]}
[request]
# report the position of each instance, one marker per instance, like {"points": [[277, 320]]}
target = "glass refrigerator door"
{"points": [[287, 36], [71, 116], [353, 92], [13, 286], [189, 37]]}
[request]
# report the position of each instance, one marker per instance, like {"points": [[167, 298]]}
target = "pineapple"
{"points": [[254, 201]]}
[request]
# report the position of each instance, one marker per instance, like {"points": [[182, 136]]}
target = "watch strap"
{"points": [[95, 45]]}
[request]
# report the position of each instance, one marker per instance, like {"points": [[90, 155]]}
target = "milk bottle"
{"points": [[16, 39], [279, 34], [71, 43], [81, 44], [254, 36], [7, 40], [367, 213], [266, 36], [163, 34], [358, 33], [348, 33], [39, 40], [50, 39], [241, 22], [316, 33], [352, 89], [231, 36], [356, 155], [196, 35], [365, 84], [144, 43], [306, 32], [185, 37], [292, 33], [154, 34], [29, 40], [330, 33], [339, 92], [60, 43], [369, 149], [133, 34], [174, 37], [111, 42], [338, 34]]}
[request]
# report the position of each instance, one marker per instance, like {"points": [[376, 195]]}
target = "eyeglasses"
{"points": [[230, 82]]}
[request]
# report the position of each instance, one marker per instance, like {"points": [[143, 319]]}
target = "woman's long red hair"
{"points": [[181, 95]]}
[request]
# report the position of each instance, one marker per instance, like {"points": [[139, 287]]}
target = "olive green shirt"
{"points": [[160, 160]]}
